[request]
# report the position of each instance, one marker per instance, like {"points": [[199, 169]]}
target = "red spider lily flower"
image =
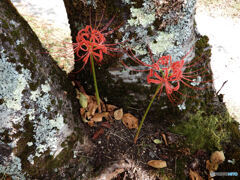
{"points": [[170, 74], [91, 41]]}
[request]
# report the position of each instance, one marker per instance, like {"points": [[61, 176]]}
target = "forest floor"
{"points": [[222, 28]]}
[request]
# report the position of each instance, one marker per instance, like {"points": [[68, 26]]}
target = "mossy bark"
{"points": [[39, 114]]}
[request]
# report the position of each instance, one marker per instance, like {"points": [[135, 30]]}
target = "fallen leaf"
{"points": [[92, 105], [157, 164], [103, 106], [83, 100], [164, 138], [82, 111], [216, 158], [194, 175], [105, 124], [98, 133], [111, 107], [118, 114], [83, 115], [90, 123], [157, 141], [130, 121], [98, 116]]}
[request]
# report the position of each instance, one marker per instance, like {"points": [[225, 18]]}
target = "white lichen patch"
{"points": [[197, 81], [12, 83], [29, 143], [142, 21], [18, 42], [48, 133], [125, 76], [182, 106], [46, 87], [163, 42], [14, 23], [11, 88], [140, 17], [35, 94], [176, 39], [30, 159], [13, 168]]}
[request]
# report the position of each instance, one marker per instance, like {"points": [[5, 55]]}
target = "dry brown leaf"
{"points": [[157, 164], [92, 105], [83, 114], [194, 175], [82, 111], [217, 158], [111, 107], [98, 133], [130, 121], [118, 114], [105, 124], [103, 106], [98, 116], [164, 138], [91, 123]]}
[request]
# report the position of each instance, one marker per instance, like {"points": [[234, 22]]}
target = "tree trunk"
{"points": [[38, 108], [167, 28]]}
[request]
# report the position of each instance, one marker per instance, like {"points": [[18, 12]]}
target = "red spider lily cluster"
{"points": [[92, 42], [169, 74]]}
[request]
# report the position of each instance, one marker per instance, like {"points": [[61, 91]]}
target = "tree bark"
{"points": [[166, 28], [38, 108]]}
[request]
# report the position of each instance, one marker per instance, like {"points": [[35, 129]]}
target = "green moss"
{"points": [[1, 101], [6, 39], [60, 102], [49, 108], [233, 127], [204, 131], [33, 86], [4, 24], [15, 34], [5, 137], [53, 102], [18, 69], [201, 44]]}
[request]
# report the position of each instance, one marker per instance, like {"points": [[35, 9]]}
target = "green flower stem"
{"points": [[146, 112], [95, 80]]}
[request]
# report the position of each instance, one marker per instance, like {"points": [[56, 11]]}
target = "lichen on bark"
{"points": [[38, 109]]}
